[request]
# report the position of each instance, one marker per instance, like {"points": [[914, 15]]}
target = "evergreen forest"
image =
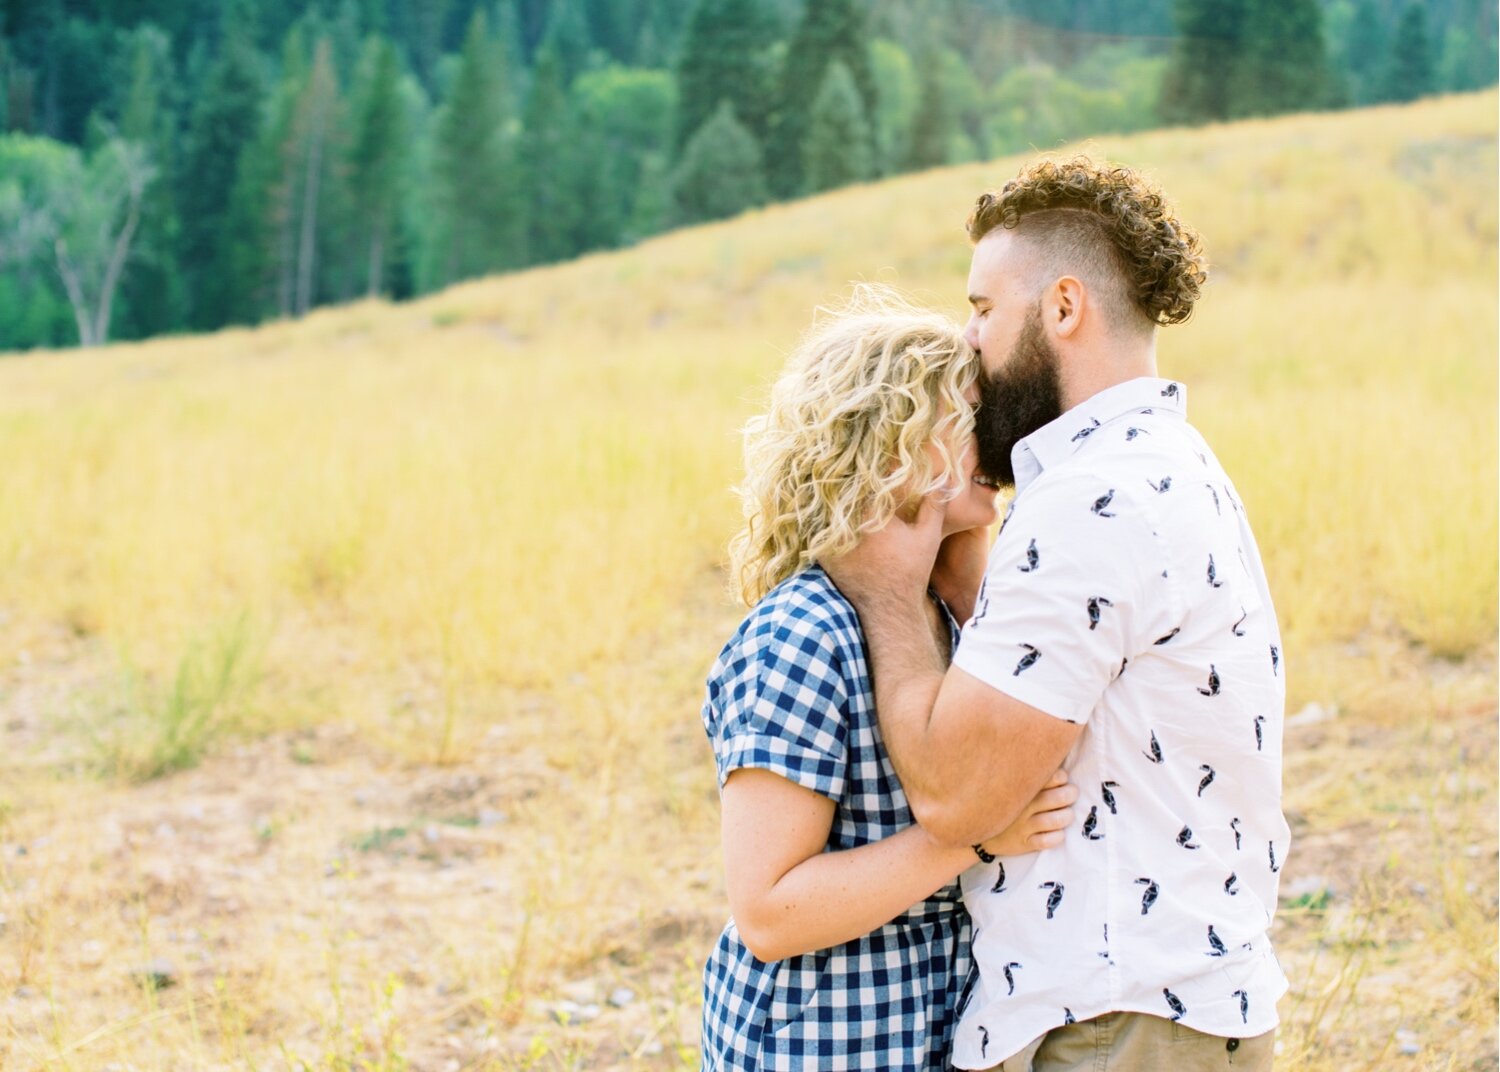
{"points": [[183, 165]]}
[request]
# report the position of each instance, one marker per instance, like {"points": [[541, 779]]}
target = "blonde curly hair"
{"points": [[843, 445]]}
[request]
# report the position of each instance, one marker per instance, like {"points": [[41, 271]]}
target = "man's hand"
{"points": [[892, 564], [959, 569], [1042, 824]]}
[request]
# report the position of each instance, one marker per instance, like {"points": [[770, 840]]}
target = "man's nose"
{"points": [[971, 333]]}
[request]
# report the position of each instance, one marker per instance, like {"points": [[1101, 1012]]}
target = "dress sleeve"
{"points": [[784, 708], [1076, 585]]}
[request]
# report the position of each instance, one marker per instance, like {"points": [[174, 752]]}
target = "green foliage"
{"points": [[1364, 52], [375, 157], [624, 122], [1409, 73], [1205, 56], [1038, 107], [225, 119], [830, 31], [554, 171], [837, 149], [896, 91], [720, 174], [1281, 66], [166, 727], [478, 190], [726, 56], [938, 124]]}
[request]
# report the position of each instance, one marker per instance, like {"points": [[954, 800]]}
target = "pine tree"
{"points": [[837, 149], [375, 157], [1282, 62], [1203, 69], [473, 166], [720, 171], [550, 168], [225, 121], [1364, 53], [1409, 73], [830, 30], [567, 38], [725, 56], [896, 91], [936, 121], [1468, 57]]}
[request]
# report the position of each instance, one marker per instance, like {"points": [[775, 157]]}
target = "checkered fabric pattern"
{"points": [[791, 693]]}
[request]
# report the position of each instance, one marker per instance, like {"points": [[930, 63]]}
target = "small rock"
{"points": [[492, 817], [1314, 713], [621, 996], [1407, 1043], [24, 992], [583, 991], [157, 973], [431, 834], [572, 1012]]}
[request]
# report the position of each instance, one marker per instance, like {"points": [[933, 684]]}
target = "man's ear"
{"points": [[1066, 300]]}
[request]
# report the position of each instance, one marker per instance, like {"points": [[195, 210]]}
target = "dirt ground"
{"points": [[307, 900]]}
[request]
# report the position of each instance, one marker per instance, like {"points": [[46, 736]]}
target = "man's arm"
{"points": [[969, 757]]}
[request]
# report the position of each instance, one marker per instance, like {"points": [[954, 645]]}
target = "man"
{"points": [[1124, 630]]}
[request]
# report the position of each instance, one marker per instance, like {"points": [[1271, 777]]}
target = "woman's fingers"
{"points": [[1058, 819], [1049, 799]]}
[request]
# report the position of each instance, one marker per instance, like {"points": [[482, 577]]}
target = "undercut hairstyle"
{"points": [[1109, 227], [844, 443]]}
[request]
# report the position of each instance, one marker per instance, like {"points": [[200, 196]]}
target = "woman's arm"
{"points": [[789, 897]]}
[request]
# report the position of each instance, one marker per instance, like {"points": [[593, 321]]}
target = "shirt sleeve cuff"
{"points": [[1026, 690]]}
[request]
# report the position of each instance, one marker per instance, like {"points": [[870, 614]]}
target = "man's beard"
{"points": [[1022, 397]]}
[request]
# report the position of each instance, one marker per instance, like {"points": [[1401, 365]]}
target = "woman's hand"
{"points": [[1043, 823], [959, 569]]}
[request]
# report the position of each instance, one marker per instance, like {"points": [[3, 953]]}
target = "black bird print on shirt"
{"points": [[1229, 883], [1068, 1017], [1235, 628], [1109, 798], [1213, 681], [1215, 493], [1234, 824], [1275, 659], [1170, 635], [1086, 432], [1179, 1010], [1027, 661], [1215, 943], [1131, 433], [1010, 980], [1102, 502], [1185, 838], [1054, 898], [1149, 897], [1213, 576], [1271, 848], [1090, 825], [1154, 755], [1033, 558], [1095, 603], [984, 1040], [999, 886], [1259, 738], [1244, 1005], [1123, 663], [1165, 485], [1170, 391], [1207, 778]]}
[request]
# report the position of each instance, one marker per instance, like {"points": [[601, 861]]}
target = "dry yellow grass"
{"points": [[391, 569]]}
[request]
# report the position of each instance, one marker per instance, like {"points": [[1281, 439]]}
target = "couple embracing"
{"points": [[1015, 806]]}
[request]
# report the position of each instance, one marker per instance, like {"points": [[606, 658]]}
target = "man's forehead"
{"points": [[994, 264]]}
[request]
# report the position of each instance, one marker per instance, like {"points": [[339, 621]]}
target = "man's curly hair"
{"points": [[1086, 208]]}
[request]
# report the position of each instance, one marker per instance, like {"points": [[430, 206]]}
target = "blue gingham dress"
{"points": [[791, 693]]}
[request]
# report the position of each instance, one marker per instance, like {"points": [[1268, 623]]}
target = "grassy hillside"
{"points": [[483, 531]]}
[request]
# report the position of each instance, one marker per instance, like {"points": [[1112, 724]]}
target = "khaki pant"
{"points": [[1136, 1042]]}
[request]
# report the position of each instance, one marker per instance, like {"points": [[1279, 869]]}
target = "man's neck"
{"points": [[1089, 374]]}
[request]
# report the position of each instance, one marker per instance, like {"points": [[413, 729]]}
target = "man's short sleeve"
{"points": [[1074, 586], [783, 708]]}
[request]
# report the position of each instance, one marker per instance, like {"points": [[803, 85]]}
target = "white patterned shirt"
{"points": [[1126, 593]]}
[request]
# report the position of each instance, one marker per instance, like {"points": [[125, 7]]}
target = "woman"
{"points": [[848, 947]]}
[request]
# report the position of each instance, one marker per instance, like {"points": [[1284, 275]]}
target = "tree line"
{"points": [[170, 165]]}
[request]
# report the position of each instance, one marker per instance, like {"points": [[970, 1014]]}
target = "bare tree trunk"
{"points": [[377, 251], [117, 262], [74, 286]]}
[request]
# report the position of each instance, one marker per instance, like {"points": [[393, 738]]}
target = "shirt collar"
{"points": [[1059, 439]]}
